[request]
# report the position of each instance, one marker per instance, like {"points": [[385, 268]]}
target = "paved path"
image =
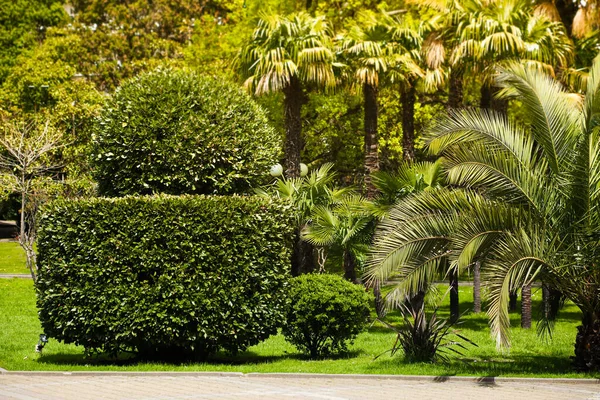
{"points": [[197, 386]]}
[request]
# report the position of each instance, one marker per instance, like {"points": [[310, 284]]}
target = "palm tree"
{"points": [[392, 187], [523, 199], [342, 228], [374, 49], [305, 194], [578, 17], [500, 30], [289, 54]]}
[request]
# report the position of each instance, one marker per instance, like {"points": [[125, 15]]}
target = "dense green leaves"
{"points": [[323, 313], [183, 276], [177, 132]]}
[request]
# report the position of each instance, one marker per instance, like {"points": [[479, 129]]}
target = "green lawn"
{"points": [[529, 356], [12, 259]]}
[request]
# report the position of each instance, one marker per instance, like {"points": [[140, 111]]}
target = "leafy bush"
{"points": [[177, 132], [323, 313], [183, 276], [424, 340]]}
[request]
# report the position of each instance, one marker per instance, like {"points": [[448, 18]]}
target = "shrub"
{"points": [[178, 132], [426, 340], [323, 313], [159, 275]]}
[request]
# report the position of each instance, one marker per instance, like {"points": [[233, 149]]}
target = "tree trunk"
{"points": [[379, 305], [550, 301], [512, 303], [409, 95], [485, 101], [454, 306], [371, 142], [303, 261], [526, 307], [477, 287], [293, 99], [349, 267], [587, 344], [567, 10], [418, 300], [488, 99], [455, 94]]}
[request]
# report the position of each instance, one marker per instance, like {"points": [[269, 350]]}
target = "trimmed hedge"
{"points": [[164, 276], [324, 312], [178, 132]]}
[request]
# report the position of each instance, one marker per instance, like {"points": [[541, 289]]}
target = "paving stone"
{"points": [[167, 387]]}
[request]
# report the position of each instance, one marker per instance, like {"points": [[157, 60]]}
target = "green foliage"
{"points": [[178, 132], [285, 49], [184, 276], [323, 313], [22, 24], [522, 201], [426, 340], [344, 228]]}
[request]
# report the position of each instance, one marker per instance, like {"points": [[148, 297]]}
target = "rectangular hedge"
{"points": [[163, 276]]}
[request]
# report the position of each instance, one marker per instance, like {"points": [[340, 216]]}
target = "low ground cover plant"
{"points": [[164, 277], [324, 312]]}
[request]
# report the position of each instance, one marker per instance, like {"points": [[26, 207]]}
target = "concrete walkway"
{"points": [[48, 386]]}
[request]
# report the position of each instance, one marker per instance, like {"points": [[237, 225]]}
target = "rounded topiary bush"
{"points": [[323, 313], [178, 132], [167, 277]]}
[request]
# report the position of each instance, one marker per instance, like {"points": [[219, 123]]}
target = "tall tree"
{"points": [[524, 200], [289, 54], [501, 30], [374, 48]]}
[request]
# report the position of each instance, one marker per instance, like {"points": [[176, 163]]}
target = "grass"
{"points": [[529, 355], [12, 259]]}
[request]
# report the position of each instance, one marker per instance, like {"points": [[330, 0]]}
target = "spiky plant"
{"points": [[523, 198], [424, 339]]}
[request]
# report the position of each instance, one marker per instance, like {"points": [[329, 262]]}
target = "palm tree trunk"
{"points": [[526, 306], [567, 10], [454, 306], [512, 302], [379, 305], [408, 98], [587, 344], [293, 98], [418, 300], [485, 101], [349, 267], [371, 142], [455, 93], [550, 301], [477, 287], [303, 261], [488, 99]]}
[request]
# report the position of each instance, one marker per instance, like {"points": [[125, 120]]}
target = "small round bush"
{"points": [[178, 132], [323, 313]]}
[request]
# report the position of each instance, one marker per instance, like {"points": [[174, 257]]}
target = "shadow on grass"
{"points": [[244, 358], [488, 369]]}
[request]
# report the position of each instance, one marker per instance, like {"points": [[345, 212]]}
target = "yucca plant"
{"points": [[523, 198], [424, 339]]}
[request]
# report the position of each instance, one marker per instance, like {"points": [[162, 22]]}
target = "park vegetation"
{"points": [[441, 138]]}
